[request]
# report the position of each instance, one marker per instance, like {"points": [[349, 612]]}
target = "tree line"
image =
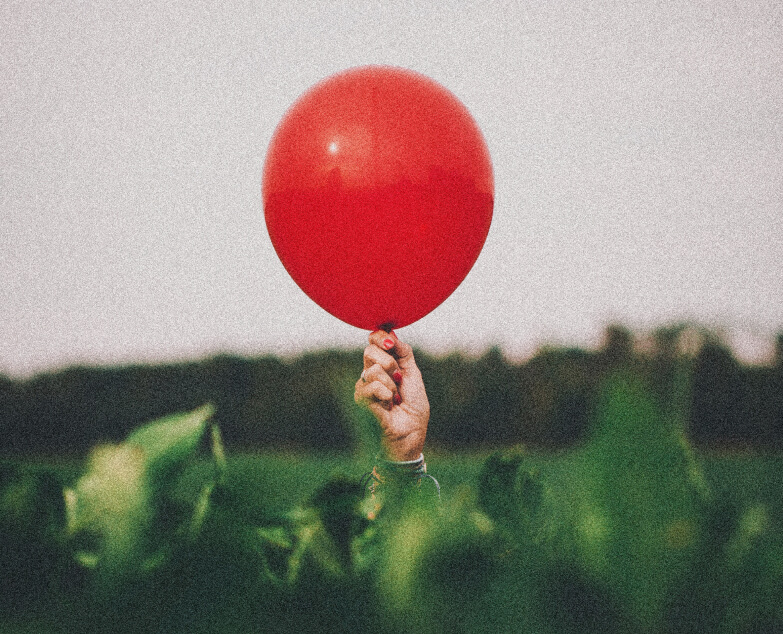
{"points": [[306, 403]]}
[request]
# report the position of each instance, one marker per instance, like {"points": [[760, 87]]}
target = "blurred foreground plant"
{"points": [[625, 533], [123, 515]]}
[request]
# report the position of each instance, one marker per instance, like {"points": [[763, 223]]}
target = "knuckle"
{"points": [[373, 355], [383, 392], [371, 373]]}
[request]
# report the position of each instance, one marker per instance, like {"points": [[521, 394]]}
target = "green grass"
{"points": [[272, 483], [276, 481]]}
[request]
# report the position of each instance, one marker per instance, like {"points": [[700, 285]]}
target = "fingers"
{"points": [[384, 340], [391, 387], [373, 355], [382, 374], [374, 393], [375, 377], [377, 373], [389, 343]]}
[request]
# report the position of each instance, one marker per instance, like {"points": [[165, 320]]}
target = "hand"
{"points": [[392, 388]]}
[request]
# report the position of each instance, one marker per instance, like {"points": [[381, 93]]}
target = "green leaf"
{"points": [[121, 514], [513, 494], [110, 508], [638, 457], [169, 441], [440, 570], [496, 485]]}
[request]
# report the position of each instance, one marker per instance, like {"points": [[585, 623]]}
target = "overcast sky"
{"points": [[637, 149]]}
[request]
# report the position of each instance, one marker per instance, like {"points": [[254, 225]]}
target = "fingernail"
{"points": [[388, 344], [397, 398], [397, 377]]}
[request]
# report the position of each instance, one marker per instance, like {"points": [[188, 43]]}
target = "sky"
{"points": [[637, 150]]}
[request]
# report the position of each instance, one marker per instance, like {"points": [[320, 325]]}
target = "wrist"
{"points": [[402, 475], [402, 449], [400, 470]]}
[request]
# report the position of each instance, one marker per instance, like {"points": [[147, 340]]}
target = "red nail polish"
{"points": [[388, 344], [397, 398], [397, 377]]}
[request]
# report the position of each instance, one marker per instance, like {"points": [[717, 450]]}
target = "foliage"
{"points": [[123, 513], [305, 404], [632, 530]]}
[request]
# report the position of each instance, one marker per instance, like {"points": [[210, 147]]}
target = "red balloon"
{"points": [[378, 195]]}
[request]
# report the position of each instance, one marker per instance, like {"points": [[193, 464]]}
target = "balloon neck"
{"points": [[387, 326]]}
